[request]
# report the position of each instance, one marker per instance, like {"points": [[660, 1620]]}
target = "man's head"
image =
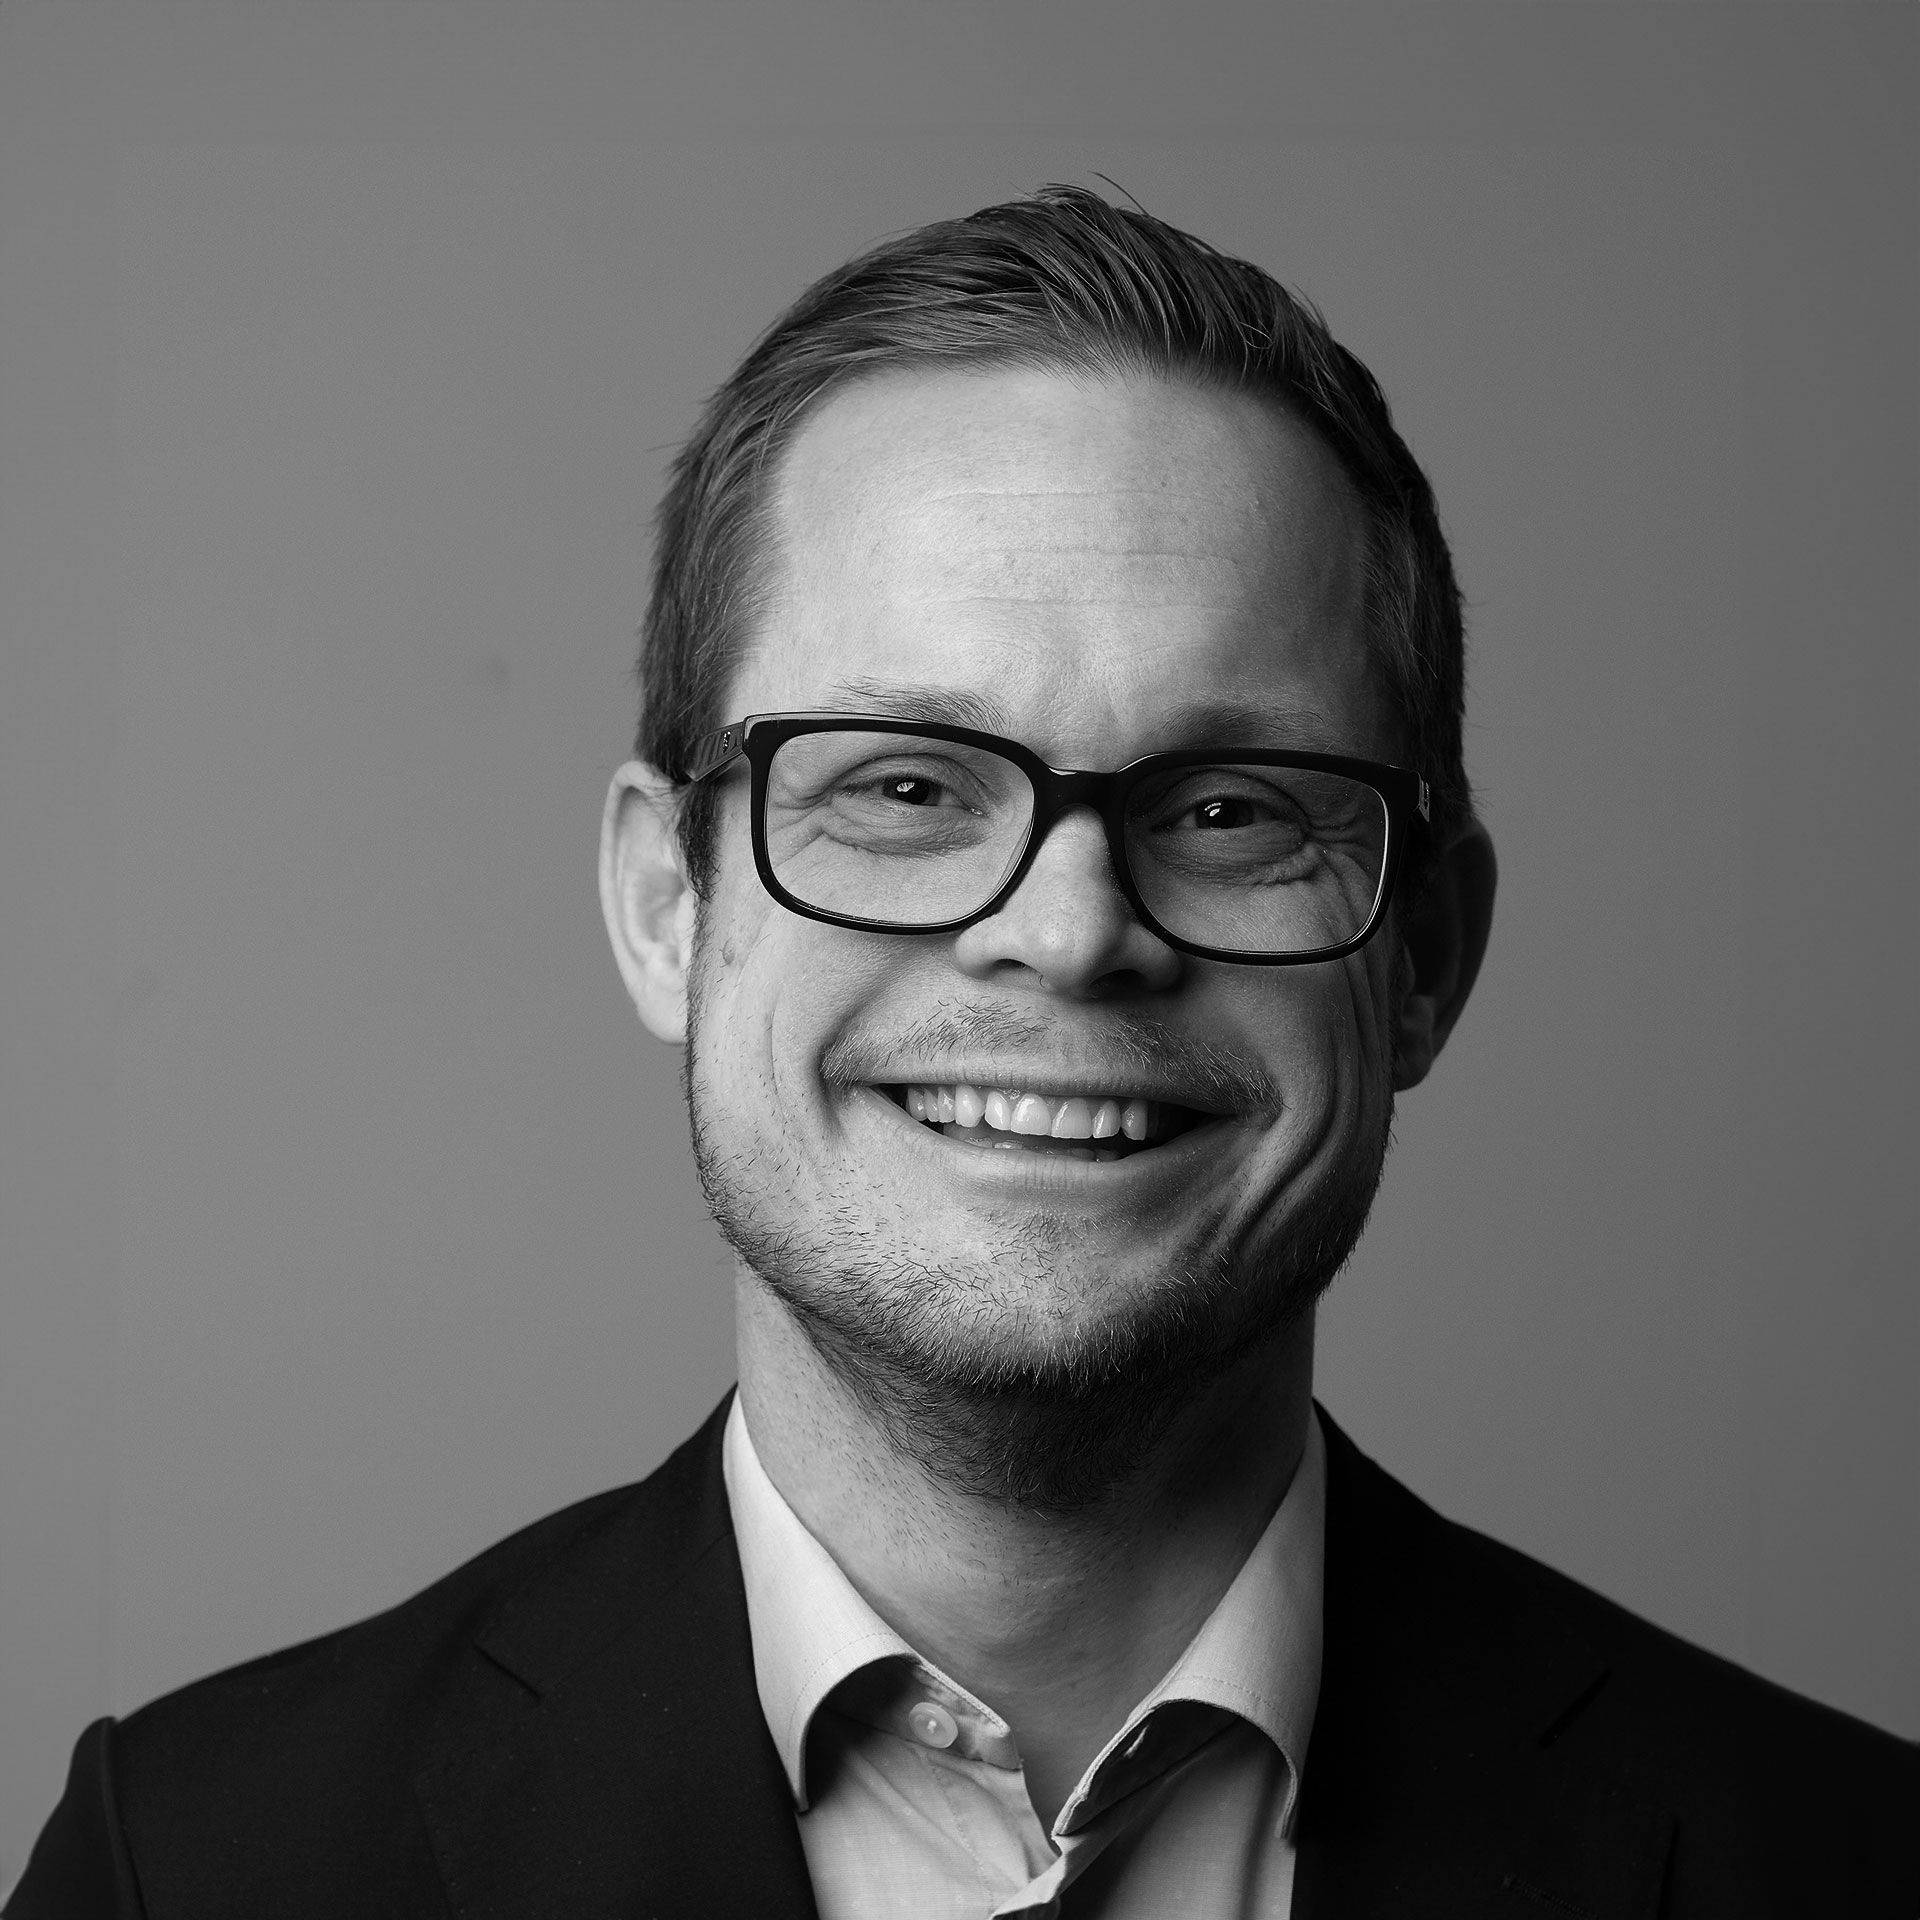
{"points": [[1072, 478], [1062, 281]]}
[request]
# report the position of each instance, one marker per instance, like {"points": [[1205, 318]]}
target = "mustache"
{"points": [[1108, 1039]]}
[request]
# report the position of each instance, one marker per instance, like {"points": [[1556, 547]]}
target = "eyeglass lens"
{"points": [[903, 830]]}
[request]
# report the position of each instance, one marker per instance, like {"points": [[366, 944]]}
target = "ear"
{"points": [[646, 896], [1443, 941]]}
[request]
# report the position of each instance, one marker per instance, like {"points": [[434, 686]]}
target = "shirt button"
{"points": [[933, 1726]]}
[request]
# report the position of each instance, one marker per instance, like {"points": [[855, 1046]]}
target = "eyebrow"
{"points": [[943, 706], [1240, 723], [1191, 723]]}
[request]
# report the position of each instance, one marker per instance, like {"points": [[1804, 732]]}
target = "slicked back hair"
{"points": [[1062, 281]]}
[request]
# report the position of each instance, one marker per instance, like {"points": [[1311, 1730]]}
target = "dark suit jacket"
{"points": [[568, 1726]]}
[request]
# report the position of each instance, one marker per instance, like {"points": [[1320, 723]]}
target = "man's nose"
{"points": [[1069, 924]]}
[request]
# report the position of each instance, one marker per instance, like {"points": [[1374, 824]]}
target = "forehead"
{"points": [[1082, 556]]}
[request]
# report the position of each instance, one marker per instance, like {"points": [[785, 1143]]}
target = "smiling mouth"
{"points": [[1068, 1126]]}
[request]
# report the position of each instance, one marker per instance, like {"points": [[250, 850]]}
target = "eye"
{"points": [[1234, 812], [1225, 817], [911, 790], [1218, 812], [890, 790]]}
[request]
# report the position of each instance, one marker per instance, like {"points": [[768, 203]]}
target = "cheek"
{"points": [[1370, 987], [1365, 1038], [735, 979], [1324, 1036], [773, 990]]}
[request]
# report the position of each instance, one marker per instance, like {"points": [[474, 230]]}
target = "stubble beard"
{"points": [[987, 1401]]}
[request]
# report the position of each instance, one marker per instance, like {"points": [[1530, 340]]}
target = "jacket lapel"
{"points": [[1433, 1783], [604, 1753]]}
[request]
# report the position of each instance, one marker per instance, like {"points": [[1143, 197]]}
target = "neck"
{"points": [[1059, 1623]]}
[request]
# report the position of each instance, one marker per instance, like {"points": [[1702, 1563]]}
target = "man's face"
{"points": [[1100, 569]]}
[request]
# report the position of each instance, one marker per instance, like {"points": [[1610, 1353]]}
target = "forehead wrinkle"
{"points": [[1030, 567], [1202, 561], [1206, 521], [1109, 491]]}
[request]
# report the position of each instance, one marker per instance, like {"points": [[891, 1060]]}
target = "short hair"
{"points": [[1062, 281]]}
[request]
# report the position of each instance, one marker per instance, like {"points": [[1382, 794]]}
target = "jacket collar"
{"points": [[1436, 1781], [602, 1751]]}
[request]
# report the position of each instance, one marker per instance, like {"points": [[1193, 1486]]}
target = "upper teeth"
{"points": [[1008, 1109]]}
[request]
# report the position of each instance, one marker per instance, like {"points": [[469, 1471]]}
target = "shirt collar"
{"points": [[810, 1628], [1257, 1656]]}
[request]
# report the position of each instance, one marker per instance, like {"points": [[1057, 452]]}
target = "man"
{"points": [[1049, 838]]}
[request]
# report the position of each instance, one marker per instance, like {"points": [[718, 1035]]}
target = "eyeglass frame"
{"points": [[1058, 791]]}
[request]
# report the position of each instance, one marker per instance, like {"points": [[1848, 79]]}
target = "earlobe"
{"points": [[1443, 941], [648, 901]]}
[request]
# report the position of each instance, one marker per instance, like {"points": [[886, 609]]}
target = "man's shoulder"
{"points": [[499, 1728], [380, 1692], [1691, 1698], [1461, 1671], [392, 1657], [1504, 1604]]}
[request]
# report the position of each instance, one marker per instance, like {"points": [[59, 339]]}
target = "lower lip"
{"points": [[1175, 1160], [984, 1139]]}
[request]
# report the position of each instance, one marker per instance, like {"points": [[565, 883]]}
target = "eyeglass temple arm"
{"points": [[714, 751]]}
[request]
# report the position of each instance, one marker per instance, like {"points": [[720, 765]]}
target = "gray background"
{"points": [[347, 1215]]}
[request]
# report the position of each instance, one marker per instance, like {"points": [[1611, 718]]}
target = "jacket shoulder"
{"points": [[389, 1664], [1777, 1802], [1820, 1810], [1688, 1699], [304, 1760]]}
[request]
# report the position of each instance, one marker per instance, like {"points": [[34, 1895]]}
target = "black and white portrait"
{"points": [[956, 960]]}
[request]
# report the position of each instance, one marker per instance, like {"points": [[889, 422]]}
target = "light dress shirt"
{"points": [[909, 1791]]}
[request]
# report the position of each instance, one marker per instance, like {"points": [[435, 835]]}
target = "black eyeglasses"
{"points": [[1247, 854]]}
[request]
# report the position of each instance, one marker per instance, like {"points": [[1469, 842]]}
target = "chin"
{"points": [[1017, 1367]]}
